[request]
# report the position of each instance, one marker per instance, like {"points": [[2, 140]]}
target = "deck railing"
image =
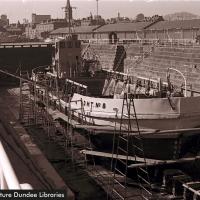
{"points": [[8, 178]]}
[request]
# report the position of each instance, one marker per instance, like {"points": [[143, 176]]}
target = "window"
{"points": [[69, 44], [56, 49], [78, 44], [62, 44]]}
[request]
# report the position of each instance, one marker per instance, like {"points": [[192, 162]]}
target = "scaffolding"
{"points": [[101, 175], [33, 98], [77, 142], [26, 108], [57, 116], [53, 102], [40, 100]]}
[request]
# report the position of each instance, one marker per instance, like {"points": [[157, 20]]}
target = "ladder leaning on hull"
{"points": [[123, 145]]}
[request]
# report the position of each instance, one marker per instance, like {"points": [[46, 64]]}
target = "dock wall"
{"points": [[186, 60], [156, 61], [105, 54], [28, 58], [11, 59]]}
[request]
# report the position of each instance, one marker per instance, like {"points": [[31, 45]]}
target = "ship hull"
{"points": [[158, 124], [155, 113], [165, 147]]}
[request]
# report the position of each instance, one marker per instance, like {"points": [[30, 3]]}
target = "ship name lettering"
{"points": [[97, 104]]}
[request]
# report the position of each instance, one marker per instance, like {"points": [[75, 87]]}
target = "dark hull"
{"points": [[160, 148]]}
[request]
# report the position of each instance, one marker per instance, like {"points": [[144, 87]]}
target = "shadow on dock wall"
{"points": [[27, 57]]}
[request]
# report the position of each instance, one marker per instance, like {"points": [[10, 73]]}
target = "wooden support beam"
{"points": [[58, 115], [168, 162], [149, 162], [190, 186], [122, 157]]}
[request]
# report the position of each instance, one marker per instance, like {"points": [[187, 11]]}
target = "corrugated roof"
{"points": [[77, 29], [123, 27], [178, 24]]}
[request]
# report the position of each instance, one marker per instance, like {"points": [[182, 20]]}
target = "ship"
{"points": [[168, 119]]}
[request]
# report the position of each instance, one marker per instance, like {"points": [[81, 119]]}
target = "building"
{"points": [[88, 21], [120, 31], [92, 21], [30, 31], [118, 19], [4, 21], [42, 25], [110, 32], [83, 32], [14, 30], [179, 29], [42, 30], [94, 27], [36, 19]]}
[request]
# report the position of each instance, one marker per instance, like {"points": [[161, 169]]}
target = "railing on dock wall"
{"points": [[8, 178], [159, 42]]}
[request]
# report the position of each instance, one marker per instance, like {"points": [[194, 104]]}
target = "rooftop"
{"points": [[77, 29], [136, 26], [178, 24], [123, 27], [51, 21]]}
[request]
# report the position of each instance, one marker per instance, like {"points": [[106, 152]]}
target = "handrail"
{"points": [[158, 41], [75, 83], [8, 178], [187, 186], [127, 75]]}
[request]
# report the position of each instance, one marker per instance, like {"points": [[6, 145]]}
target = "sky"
{"points": [[20, 9]]}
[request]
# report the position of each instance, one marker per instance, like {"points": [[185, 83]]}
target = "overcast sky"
{"points": [[19, 9]]}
